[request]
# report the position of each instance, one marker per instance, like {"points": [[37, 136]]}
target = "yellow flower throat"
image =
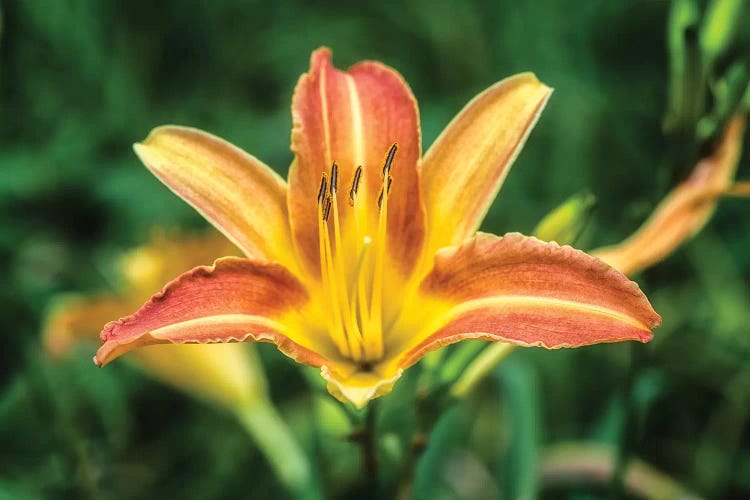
{"points": [[352, 265]]}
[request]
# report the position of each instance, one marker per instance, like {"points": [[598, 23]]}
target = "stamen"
{"points": [[355, 186], [349, 324], [374, 342], [333, 320]]}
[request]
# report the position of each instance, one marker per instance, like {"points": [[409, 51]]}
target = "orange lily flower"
{"points": [[347, 267]]}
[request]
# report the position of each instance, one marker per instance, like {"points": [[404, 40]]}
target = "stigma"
{"points": [[352, 247]]}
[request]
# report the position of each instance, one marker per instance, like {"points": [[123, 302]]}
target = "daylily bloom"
{"points": [[685, 210], [368, 257]]}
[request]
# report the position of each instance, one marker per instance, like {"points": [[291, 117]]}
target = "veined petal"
{"points": [[464, 169], [353, 118], [236, 192], [521, 290], [233, 300], [685, 210]]}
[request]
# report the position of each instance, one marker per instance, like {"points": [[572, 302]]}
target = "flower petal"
{"points": [[464, 169], [233, 300], [353, 118], [684, 211], [521, 290], [236, 192]]}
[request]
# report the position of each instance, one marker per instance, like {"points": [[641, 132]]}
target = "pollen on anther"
{"points": [[334, 178], [355, 185], [323, 188], [389, 160]]}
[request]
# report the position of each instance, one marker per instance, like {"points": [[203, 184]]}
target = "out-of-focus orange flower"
{"points": [[685, 210], [228, 375], [368, 257]]}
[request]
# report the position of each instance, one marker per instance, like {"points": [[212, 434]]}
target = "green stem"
{"points": [[284, 454]]}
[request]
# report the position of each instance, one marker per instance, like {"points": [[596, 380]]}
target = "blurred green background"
{"points": [[81, 80]]}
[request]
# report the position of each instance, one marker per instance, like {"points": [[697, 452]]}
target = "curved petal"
{"points": [[684, 211], [464, 169], [236, 192], [234, 300], [521, 290], [353, 118]]}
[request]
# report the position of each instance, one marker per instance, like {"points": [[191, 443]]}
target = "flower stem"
{"points": [[284, 454]]}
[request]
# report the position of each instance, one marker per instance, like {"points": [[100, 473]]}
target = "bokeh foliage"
{"points": [[81, 80]]}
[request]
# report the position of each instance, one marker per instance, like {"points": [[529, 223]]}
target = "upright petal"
{"points": [[464, 169], [234, 191], [521, 290], [233, 300], [684, 211], [353, 118]]}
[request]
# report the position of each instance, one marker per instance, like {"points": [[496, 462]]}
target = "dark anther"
{"points": [[355, 185], [322, 190], [334, 178], [389, 160], [327, 208]]}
